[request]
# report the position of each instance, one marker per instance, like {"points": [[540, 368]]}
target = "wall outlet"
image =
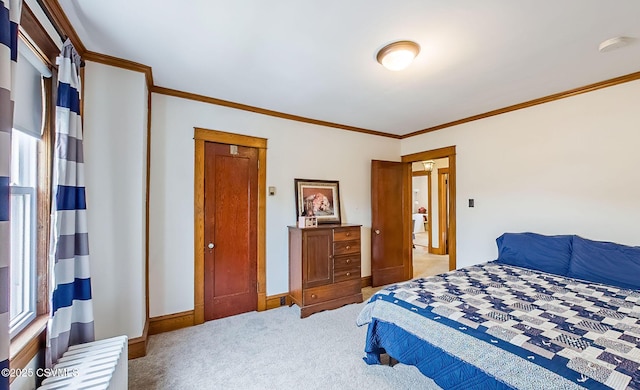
{"points": [[283, 301], [471, 203]]}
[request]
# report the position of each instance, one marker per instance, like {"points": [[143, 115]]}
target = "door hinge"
{"points": [[258, 164]]}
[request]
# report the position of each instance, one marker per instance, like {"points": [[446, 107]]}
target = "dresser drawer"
{"points": [[346, 274], [329, 292], [346, 234], [346, 262], [346, 247]]}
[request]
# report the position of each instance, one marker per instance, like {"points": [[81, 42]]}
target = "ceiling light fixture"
{"points": [[398, 55], [614, 43], [428, 165]]}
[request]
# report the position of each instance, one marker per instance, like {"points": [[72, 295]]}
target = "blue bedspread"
{"points": [[511, 327]]}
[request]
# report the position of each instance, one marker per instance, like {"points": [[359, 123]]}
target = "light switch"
{"points": [[272, 191], [471, 203]]}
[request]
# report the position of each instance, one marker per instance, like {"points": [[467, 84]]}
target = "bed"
{"points": [[557, 312]]}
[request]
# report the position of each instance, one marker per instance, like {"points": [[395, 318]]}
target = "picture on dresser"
{"points": [[318, 198]]}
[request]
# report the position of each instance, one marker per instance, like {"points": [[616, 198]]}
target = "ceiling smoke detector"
{"points": [[614, 43]]}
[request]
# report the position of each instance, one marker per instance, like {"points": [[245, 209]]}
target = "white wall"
{"points": [[115, 129], [295, 150], [569, 166]]}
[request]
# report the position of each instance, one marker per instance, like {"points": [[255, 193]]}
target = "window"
{"points": [[29, 192], [24, 162]]}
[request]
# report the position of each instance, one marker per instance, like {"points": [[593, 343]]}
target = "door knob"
{"points": [[211, 245], [377, 231]]}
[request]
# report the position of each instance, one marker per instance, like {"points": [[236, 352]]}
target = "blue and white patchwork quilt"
{"points": [[521, 327]]}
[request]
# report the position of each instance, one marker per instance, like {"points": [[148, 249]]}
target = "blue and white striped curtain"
{"points": [[9, 21], [71, 319]]}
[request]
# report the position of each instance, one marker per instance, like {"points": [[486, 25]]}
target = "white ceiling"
{"points": [[316, 59]]}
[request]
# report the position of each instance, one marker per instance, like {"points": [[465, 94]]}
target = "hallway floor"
{"points": [[425, 263]]}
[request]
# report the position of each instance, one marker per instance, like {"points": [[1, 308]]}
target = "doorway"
{"points": [[231, 146], [391, 215], [435, 251], [428, 257]]}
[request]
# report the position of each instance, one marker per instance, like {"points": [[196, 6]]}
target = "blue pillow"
{"points": [[605, 262], [550, 254]]}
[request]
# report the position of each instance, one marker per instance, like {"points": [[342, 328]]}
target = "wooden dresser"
{"points": [[324, 267]]}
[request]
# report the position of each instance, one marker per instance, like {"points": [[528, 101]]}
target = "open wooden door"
{"points": [[390, 222]]}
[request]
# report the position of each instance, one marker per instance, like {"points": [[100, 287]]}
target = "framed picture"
{"points": [[318, 198]]}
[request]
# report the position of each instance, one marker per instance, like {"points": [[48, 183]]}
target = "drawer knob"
{"points": [[348, 273], [348, 261], [348, 247], [348, 234], [314, 296]]}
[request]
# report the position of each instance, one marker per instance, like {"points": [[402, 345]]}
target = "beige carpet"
{"points": [[271, 350]]}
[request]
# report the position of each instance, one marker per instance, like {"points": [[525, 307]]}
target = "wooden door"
{"points": [[390, 222], [230, 231]]}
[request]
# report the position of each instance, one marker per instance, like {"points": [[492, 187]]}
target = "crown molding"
{"points": [[60, 20], [121, 63], [263, 111], [531, 103]]}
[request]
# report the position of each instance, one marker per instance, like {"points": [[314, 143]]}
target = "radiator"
{"points": [[100, 364]]}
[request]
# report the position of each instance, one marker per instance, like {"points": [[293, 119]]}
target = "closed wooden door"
{"points": [[230, 231], [390, 222]]}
